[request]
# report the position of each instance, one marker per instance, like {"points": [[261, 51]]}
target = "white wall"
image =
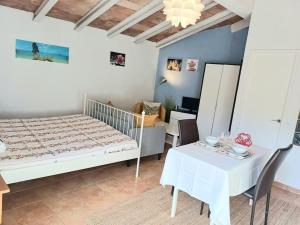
{"points": [[242, 8], [275, 26], [289, 171], [29, 88]]}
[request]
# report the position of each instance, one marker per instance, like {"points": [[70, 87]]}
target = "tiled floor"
{"points": [[69, 199]]}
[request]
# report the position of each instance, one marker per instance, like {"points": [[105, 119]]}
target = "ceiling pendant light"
{"points": [[184, 12]]}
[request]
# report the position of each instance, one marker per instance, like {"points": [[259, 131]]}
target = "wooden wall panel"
{"points": [[227, 22], [146, 24], [118, 13], [26, 5], [74, 10], [141, 3], [71, 10], [165, 34], [205, 14], [112, 17]]}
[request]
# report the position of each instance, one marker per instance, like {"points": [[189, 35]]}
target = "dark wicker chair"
{"points": [[265, 180]]}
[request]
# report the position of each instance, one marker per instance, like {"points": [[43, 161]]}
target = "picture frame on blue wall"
{"points": [[192, 65], [174, 64]]}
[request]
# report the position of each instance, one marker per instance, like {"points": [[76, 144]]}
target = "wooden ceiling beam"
{"points": [[240, 25], [129, 5], [135, 18], [203, 25], [94, 13], [206, 2], [43, 9], [162, 27], [241, 8]]}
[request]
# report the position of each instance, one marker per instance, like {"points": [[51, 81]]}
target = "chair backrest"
{"points": [[177, 116], [266, 177], [188, 131]]}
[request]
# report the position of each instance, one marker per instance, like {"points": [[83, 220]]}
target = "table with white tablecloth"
{"points": [[212, 177]]}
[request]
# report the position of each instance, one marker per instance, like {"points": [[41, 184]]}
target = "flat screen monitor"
{"points": [[190, 103]]}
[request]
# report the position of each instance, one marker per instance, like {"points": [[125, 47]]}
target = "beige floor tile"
{"points": [[8, 218], [52, 220], [286, 196], [32, 213], [71, 198], [20, 199], [70, 201], [75, 217], [95, 198], [60, 188]]}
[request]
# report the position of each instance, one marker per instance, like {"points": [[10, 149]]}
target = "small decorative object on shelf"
{"points": [[244, 139], [2, 146], [169, 106]]}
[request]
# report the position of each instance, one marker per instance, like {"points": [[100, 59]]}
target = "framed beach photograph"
{"points": [[117, 59], [192, 65], [41, 52], [174, 64]]}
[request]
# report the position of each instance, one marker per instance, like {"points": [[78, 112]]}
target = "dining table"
{"points": [[212, 174]]}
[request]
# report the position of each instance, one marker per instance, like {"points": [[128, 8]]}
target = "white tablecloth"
{"points": [[212, 177]]}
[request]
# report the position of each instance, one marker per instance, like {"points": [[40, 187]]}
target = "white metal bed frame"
{"points": [[125, 122]]}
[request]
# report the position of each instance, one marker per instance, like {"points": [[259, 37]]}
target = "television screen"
{"points": [[190, 103]]}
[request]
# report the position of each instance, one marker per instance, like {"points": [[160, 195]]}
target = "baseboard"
{"points": [[287, 188]]}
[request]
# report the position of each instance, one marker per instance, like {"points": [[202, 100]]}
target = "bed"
{"points": [[41, 147]]}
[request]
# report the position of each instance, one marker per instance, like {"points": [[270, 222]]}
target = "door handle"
{"points": [[277, 121]]}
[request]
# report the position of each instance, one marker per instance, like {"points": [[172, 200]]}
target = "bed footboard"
{"points": [[126, 122]]}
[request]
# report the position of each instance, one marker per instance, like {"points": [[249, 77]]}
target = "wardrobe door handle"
{"points": [[277, 121]]}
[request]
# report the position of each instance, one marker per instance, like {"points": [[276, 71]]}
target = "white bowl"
{"points": [[240, 149], [212, 140]]}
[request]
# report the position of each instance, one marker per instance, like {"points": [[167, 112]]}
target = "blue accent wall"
{"points": [[218, 45]]}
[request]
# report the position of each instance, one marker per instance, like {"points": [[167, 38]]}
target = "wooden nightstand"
{"points": [[3, 189]]}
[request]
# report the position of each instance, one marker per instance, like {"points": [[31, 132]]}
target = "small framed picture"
{"points": [[192, 65], [117, 59], [174, 64]]}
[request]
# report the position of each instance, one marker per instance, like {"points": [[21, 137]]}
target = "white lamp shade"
{"points": [[184, 12]]}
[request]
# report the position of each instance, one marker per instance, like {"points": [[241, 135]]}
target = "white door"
{"points": [[289, 171], [265, 95], [225, 100], [208, 98]]}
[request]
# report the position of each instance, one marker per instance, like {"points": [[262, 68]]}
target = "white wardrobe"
{"points": [[217, 99]]}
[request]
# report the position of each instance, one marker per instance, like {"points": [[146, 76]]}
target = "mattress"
{"points": [[37, 141]]}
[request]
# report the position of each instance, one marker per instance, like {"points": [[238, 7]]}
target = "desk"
{"points": [[211, 177]]}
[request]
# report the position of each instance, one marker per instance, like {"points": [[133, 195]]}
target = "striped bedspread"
{"points": [[29, 140]]}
